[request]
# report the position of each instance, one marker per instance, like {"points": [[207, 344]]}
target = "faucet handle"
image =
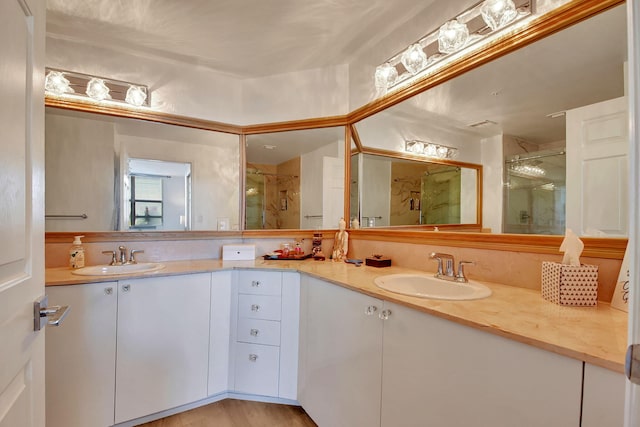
{"points": [[460, 277], [132, 255], [114, 260], [438, 258]]}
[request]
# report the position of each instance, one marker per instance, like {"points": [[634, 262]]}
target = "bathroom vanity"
{"points": [[321, 334]]}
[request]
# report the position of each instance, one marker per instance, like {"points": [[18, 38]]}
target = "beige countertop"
{"points": [[596, 335]]}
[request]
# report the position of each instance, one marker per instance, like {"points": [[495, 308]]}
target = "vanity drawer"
{"points": [[264, 307], [257, 369], [260, 283], [258, 331]]}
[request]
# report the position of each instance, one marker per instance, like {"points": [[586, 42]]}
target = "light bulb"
{"points": [[498, 13], [386, 75], [452, 36], [136, 95], [414, 59], [97, 89], [57, 83]]}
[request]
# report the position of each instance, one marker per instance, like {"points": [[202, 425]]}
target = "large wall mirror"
{"points": [[107, 173], [295, 179], [547, 122], [405, 191]]}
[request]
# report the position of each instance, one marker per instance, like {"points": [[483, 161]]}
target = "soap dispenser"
{"points": [[76, 253]]}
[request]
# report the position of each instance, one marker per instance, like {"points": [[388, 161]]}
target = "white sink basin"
{"points": [[107, 270], [427, 286]]}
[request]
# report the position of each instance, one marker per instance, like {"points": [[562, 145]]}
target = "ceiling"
{"points": [[246, 38], [581, 65]]}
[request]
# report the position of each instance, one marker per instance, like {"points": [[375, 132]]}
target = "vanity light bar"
{"points": [[69, 84], [429, 149], [472, 25]]}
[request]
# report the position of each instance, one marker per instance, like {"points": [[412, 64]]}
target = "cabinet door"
{"points": [[81, 357], [163, 343], [603, 397], [219, 330], [439, 373], [343, 357]]}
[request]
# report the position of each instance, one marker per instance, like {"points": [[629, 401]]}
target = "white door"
{"points": [[597, 168], [21, 212], [632, 405]]}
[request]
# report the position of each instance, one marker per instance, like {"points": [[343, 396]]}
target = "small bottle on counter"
{"points": [[286, 250], [76, 253], [298, 248]]}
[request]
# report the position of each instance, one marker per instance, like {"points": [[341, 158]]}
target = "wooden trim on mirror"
{"points": [[140, 114], [356, 139], [609, 248], [543, 26], [347, 175], [137, 236], [243, 182], [315, 123]]}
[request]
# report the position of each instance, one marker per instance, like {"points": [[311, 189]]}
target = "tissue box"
{"points": [[570, 285], [238, 252]]}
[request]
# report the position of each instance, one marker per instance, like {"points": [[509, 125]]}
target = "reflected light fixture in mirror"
{"points": [[429, 149], [72, 85], [469, 27]]}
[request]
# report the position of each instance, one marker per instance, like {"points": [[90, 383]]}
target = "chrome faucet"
{"points": [[446, 267], [123, 254]]}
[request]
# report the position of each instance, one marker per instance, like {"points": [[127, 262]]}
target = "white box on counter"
{"points": [[238, 252]]}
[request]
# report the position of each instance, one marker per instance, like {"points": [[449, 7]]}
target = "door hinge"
{"points": [[632, 363]]}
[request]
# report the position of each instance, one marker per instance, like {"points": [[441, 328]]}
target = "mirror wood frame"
{"points": [[554, 21]]}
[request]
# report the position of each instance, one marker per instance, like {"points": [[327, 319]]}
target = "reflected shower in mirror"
{"points": [[535, 193], [124, 174], [295, 179], [401, 192]]}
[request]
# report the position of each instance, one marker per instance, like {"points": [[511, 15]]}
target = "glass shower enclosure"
{"points": [[535, 193]]}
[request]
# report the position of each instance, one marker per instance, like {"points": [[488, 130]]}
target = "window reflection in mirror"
{"points": [[90, 158], [397, 191], [295, 179]]}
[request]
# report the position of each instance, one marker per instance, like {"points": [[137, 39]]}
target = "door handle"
{"points": [[45, 315]]}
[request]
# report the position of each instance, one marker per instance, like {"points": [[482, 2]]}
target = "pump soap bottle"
{"points": [[76, 253]]}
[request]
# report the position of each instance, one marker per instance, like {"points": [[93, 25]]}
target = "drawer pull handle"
{"points": [[254, 332], [253, 357], [108, 291], [255, 283], [385, 314], [370, 310], [255, 307], [126, 288]]}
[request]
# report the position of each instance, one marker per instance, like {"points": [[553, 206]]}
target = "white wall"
{"points": [[80, 177], [376, 191], [306, 94], [177, 88], [492, 183]]}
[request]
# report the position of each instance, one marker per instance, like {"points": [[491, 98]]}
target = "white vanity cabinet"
{"points": [[603, 397], [341, 355], [80, 356], [414, 369], [438, 372], [264, 331], [162, 343]]}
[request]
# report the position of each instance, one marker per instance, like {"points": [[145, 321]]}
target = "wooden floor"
{"points": [[238, 413]]}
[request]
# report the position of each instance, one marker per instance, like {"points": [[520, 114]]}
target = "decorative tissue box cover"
{"points": [[570, 284]]}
